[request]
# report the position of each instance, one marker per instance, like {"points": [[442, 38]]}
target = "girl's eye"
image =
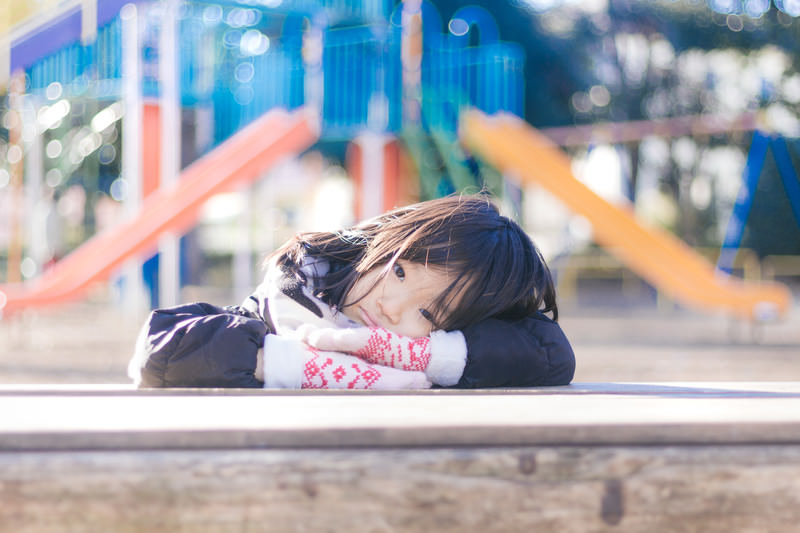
{"points": [[426, 315], [399, 272]]}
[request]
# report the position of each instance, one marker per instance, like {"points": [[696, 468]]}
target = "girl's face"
{"points": [[399, 301]]}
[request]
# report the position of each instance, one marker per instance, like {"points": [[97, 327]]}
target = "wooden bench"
{"points": [[588, 457]]}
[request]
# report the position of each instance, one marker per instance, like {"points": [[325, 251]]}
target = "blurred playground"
{"points": [[154, 151]]}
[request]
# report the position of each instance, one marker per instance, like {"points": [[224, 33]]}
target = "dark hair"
{"points": [[496, 269]]}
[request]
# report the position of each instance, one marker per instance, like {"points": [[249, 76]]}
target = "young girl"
{"points": [[445, 292]]}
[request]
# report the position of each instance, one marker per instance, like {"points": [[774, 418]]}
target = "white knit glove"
{"points": [[290, 363], [441, 356]]}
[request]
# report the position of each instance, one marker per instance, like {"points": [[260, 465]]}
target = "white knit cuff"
{"points": [[448, 357], [283, 362]]}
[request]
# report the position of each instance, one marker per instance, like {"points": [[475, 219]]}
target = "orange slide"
{"points": [[513, 146], [237, 161]]}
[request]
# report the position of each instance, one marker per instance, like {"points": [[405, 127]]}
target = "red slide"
{"points": [[237, 161]]}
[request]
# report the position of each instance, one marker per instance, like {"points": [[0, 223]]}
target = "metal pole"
{"points": [[36, 234], [169, 243], [133, 296]]}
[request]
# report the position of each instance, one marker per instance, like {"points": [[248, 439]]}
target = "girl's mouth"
{"points": [[367, 319]]}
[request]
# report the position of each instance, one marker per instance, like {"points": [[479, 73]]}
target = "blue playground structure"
{"points": [[375, 75], [242, 59], [737, 222]]}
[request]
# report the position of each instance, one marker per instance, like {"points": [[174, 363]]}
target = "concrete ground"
{"points": [[614, 340]]}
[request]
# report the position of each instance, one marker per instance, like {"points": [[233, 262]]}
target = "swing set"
{"points": [[737, 222]]}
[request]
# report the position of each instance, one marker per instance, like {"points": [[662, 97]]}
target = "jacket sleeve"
{"points": [[528, 352], [198, 345]]}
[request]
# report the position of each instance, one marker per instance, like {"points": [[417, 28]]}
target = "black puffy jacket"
{"points": [[199, 345], [528, 352], [202, 345]]}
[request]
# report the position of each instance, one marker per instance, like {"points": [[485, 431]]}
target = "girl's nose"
{"points": [[392, 309]]}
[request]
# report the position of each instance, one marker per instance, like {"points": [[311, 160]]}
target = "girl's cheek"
{"points": [[419, 328]]}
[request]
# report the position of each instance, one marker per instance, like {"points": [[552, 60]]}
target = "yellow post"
{"points": [[15, 157]]}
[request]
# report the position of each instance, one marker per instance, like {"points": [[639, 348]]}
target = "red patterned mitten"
{"points": [[289, 363], [441, 356]]}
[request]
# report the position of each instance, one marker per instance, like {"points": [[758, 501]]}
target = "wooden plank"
{"points": [[598, 457], [581, 489], [618, 414]]}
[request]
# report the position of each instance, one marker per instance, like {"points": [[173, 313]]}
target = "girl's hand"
{"points": [[374, 345], [335, 370], [442, 355], [292, 364]]}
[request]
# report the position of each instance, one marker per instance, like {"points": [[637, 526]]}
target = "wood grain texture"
{"points": [[582, 489], [616, 414], [648, 458]]}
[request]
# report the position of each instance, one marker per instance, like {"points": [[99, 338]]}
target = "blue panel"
{"points": [[109, 9], [277, 81], [478, 16], [489, 77], [360, 90], [59, 33], [744, 201], [74, 66], [788, 175], [47, 39]]}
